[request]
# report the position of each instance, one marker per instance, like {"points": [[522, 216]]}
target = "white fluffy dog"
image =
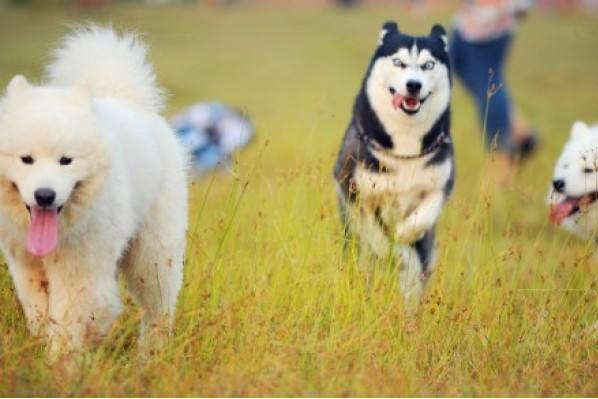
{"points": [[92, 182], [574, 191]]}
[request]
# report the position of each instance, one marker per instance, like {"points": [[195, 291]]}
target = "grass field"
{"points": [[270, 306]]}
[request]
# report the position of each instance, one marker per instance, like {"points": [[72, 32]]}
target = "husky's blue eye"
{"points": [[65, 160], [428, 66], [398, 63], [27, 159]]}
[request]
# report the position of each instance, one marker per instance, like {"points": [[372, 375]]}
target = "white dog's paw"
{"points": [[59, 344], [37, 325]]}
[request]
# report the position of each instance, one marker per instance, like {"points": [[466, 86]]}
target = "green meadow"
{"points": [[271, 306]]}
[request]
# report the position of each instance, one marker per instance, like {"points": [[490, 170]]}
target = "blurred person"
{"points": [[590, 5], [482, 34], [211, 132], [347, 3], [90, 3], [561, 5]]}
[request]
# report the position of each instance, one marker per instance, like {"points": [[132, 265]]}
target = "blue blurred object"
{"points": [[212, 132], [480, 66]]}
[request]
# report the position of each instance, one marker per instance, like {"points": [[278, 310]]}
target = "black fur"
{"points": [[366, 130], [450, 183], [354, 150], [444, 151], [393, 40], [366, 127], [425, 249]]}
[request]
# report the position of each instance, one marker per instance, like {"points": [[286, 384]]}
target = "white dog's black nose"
{"points": [[414, 87], [44, 197], [558, 185]]}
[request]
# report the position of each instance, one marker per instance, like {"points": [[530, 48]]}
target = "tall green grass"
{"points": [[270, 305]]}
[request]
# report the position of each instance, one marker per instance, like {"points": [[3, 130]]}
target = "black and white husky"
{"points": [[395, 169]]}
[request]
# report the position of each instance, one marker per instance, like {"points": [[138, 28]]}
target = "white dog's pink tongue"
{"points": [[561, 211], [42, 236]]}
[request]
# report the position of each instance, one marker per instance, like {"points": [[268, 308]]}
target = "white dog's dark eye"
{"points": [[398, 63], [428, 66], [27, 159], [65, 160], [588, 170]]}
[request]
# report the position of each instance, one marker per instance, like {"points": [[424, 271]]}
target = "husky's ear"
{"points": [[439, 32], [579, 129], [388, 27], [17, 84]]}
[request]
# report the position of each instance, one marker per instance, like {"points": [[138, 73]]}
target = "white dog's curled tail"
{"points": [[109, 65]]}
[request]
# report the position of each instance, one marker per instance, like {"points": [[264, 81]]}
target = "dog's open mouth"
{"points": [[42, 233], [58, 210], [409, 104], [570, 206]]}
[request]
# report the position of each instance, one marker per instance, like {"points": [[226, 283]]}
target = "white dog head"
{"points": [[574, 188], [52, 159]]}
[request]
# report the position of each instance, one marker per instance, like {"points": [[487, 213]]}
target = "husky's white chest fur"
{"points": [[405, 184], [395, 169]]}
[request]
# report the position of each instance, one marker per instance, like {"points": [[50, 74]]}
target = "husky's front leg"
{"points": [[420, 220], [83, 303], [417, 264], [411, 280]]}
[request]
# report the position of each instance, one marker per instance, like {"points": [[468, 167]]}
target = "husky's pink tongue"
{"points": [[397, 100], [42, 236]]}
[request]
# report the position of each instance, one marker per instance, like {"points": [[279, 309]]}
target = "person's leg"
{"points": [[497, 104], [479, 66], [525, 137], [496, 114]]}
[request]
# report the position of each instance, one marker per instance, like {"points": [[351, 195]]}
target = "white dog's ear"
{"points": [[17, 84], [579, 129]]}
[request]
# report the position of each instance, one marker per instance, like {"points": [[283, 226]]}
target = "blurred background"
{"points": [[434, 4], [270, 305]]}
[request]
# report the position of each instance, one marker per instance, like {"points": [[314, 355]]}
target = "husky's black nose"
{"points": [[44, 197], [413, 87], [559, 185]]}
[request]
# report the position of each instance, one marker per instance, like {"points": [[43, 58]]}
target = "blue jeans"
{"points": [[479, 65]]}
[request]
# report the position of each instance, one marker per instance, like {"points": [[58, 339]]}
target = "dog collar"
{"points": [[442, 138]]}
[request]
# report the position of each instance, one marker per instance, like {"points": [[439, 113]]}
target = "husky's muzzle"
{"points": [[409, 103]]}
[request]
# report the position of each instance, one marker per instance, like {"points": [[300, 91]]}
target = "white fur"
{"points": [[407, 131], [410, 197], [126, 75], [579, 153], [414, 191], [445, 41], [124, 194]]}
